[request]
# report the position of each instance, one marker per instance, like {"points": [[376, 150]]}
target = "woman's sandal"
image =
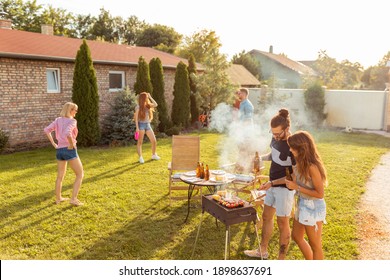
{"points": [[76, 202], [62, 200]]}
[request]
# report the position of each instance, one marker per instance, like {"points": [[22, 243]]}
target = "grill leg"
{"points": [[227, 243], [197, 236], [258, 239]]}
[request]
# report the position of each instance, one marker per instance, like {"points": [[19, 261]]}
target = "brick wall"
{"points": [[26, 107]]}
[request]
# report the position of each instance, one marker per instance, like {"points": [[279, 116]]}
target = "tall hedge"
{"points": [[181, 97], [85, 95], [315, 104], [192, 71], [157, 80], [143, 83]]}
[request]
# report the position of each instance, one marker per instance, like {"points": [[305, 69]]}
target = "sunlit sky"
{"points": [[356, 30]]}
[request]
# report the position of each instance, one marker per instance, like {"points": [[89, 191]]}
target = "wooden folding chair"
{"points": [[185, 157]]}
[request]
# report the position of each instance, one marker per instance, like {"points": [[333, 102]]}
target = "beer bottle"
{"points": [[288, 174], [202, 171], [256, 163], [207, 173], [198, 170]]}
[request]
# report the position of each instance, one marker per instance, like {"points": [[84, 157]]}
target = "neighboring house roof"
{"points": [[240, 75], [30, 45], [296, 66]]}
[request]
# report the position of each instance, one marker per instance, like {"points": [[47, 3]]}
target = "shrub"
{"points": [[315, 104], [85, 95], [157, 80], [143, 83], [174, 130], [180, 115], [119, 126], [4, 137]]}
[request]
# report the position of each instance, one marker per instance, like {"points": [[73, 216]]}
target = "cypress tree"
{"points": [[181, 97], [192, 71], [143, 83], [157, 80], [85, 95]]}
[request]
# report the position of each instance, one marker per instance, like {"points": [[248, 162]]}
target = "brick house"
{"points": [[36, 76]]}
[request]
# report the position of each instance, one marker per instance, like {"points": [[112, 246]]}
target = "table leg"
{"points": [[190, 191]]}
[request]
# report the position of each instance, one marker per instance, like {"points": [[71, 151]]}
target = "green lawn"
{"points": [[127, 214]]}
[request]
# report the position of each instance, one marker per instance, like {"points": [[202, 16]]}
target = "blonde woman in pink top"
{"points": [[65, 128]]}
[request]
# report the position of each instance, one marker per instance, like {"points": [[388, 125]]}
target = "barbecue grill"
{"points": [[228, 216]]}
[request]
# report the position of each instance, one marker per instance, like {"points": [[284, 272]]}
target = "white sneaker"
{"points": [[256, 254], [141, 159], [155, 157]]}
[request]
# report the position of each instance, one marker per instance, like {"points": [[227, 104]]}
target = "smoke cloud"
{"points": [[241, 141]]}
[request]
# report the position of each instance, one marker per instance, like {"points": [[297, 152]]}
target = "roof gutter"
{"points": [[68, 59]]}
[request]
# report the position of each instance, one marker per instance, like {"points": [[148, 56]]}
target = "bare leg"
{"points": [[268, 225], [61, 171], [140, 141], [298, 235], [285, 235], [77, 167], [315, 240], [153, 140]]}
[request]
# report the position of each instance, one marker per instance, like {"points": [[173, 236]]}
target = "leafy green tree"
{"points": [[160, 37], [85, 95], [24, 15], [214, 85], [181, 97], [104, 27], [192, 72], [157, 80], [83, 25], [133, 28], [61, 20], [143, 83], [200, 44], [315, 103], [118, 126], [246, 60], [334, 75], [375, 77]]}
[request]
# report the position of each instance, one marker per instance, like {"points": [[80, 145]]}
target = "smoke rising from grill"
{"points": [[240, 141]]}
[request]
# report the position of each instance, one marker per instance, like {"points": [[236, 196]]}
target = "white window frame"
{"points": [[123, 80], [57, 81]]}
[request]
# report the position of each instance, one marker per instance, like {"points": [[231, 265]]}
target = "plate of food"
{"points": [[190, 174], [217, 172], [217, 180]]}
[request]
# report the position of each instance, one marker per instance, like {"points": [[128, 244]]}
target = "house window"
{"points": [[117, 80], [53, 80]]}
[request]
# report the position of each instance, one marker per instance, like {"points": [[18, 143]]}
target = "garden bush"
{"points": [[119, 126], [4, 137]]}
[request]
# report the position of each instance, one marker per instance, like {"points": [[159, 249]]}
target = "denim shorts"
{"points": [[66, 154], [310, 211], [280, 198], [144, 126]]}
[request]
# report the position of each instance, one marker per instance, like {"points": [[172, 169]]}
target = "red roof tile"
{"points": [[16, 43]]}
